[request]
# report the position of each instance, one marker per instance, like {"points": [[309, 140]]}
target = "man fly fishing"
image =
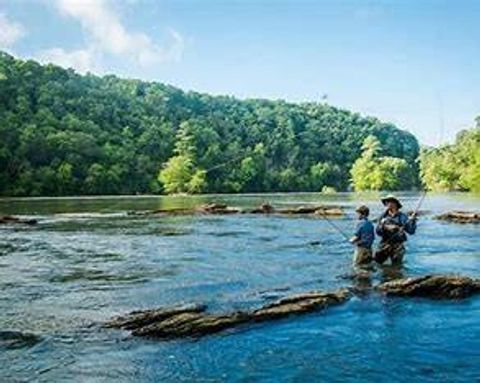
{"points": [[392, 228], [363, 238]]}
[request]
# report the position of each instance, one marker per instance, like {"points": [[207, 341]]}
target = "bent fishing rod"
{"points": [[336, 227]]}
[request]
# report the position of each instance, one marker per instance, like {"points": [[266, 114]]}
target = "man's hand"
{"points": [[353, 239], [391, 227]]}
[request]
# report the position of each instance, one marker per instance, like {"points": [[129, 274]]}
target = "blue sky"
{"points": [[414, 63]]}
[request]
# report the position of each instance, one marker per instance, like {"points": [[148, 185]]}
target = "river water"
{"points": [[87, 261]]}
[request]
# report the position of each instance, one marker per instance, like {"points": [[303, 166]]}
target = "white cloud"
{"points": [[10, 31], [106, 34], [82, 60]]}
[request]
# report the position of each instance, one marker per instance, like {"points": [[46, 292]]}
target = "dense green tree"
{"points": [[371, 171], [62, 133], [453, 167], [180, 174]]}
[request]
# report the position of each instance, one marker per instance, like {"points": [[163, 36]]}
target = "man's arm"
{"points": [[410, 225]]}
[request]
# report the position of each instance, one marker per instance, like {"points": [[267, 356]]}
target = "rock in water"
{"points": [[264, 208], [217, 208], [11, 339], [193, 321], [138, 319], [432, 286], [223, 209], [298, 304], [7, 219], [460, 217]]}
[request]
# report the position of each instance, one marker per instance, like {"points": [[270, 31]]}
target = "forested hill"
{"points": [[62, 133]]}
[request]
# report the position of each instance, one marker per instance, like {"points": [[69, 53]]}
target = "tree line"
{"points": [[456, 166], [62, 133]]}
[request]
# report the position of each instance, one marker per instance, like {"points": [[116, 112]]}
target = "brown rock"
{"points": [[217, 208], [432, 286], [193, 321], [146, 317], [460, 217], [318, 210], [333, 211], [299, 304], [264, 208]]}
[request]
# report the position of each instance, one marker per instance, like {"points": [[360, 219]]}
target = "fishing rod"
{"points": [[332, 224], [420, 202]]}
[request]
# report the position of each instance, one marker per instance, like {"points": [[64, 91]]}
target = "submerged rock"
{"points": [[8, 219], [194, 321], [432, 286], [11, 339], [460, 217]]}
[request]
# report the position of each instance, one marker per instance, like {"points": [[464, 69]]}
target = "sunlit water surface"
{"points": [[87, 261]]}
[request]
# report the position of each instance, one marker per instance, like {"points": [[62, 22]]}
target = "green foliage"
{"points": [[323, 175], [328, 190], [177, 174], [180, 174], [374, 172], [62, 134], [453, 167]]}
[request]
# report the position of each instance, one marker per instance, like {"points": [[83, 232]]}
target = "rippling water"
{"points": [[87, 260]]}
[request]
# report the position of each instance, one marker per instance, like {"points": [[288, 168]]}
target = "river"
{"points": [[87, 260]]}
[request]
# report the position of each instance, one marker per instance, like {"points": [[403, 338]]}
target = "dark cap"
{"points": [[363, 210]]}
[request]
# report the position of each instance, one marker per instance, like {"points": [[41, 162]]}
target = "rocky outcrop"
{"points": [[432, 286], [195, 321], [8, 219], [460, 217], [223, 209], [161, 212], [217, 208]]}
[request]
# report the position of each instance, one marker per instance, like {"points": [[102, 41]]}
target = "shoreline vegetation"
{"points": [[64, 134]]}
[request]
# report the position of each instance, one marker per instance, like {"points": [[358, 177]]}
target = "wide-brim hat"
{"points": [[391, 197]]}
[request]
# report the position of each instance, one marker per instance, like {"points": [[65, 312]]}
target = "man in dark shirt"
{"points": [[392, 229], [363, 238]]}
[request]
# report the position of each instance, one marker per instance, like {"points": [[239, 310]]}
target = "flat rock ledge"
{"points": [[195, 321], [432, 286], [8, 219], [223, 209], [460, 217]]}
